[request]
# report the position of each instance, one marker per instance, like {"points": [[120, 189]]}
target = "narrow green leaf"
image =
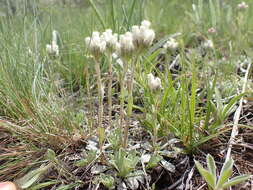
{"points": [[230, 105], [235, 181], [99, 16], [131, 13]]}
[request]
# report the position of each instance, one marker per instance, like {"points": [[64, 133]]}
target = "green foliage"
{"points": [[89, 158], [222, 181], [124, 162], [107, 181]]}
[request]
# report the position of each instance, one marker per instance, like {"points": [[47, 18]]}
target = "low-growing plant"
{"points": [[222, 181], [124, 162]]}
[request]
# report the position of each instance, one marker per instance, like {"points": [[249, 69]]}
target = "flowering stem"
{"points": [[122, 95], [130, 80], [155, 127], [87, 77], [110, 90], [100, 95]]}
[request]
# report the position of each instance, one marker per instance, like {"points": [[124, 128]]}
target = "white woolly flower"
{"points": [[143, 35], [53, 48], [242, 6], [110, 39], [148, 36], [154, 83], [96, 44], [125, 47], [171, 44], [208, 44]]}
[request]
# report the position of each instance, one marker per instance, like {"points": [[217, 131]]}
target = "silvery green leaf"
{"points": [[235, 181], [107, 181], [226, 172], [205, 174], [211, 166], [168, 166]]}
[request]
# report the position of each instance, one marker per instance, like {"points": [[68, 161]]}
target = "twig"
{"points": [[237, 116]]}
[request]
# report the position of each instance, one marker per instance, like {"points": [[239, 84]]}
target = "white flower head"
{"points": [[143, 36], [148, 37], [208, 44], [242, 6], [53, 49], [110, 39], [125, 47], [171, 44], [96, 44], [154, 83]]}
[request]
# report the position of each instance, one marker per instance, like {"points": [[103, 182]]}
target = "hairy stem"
{"points": [[100, 96], [122, 95], [91, 114], [110, 91]]}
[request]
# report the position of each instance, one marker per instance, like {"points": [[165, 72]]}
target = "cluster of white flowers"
{"points": [[242, 6], [143, 35], [125, 44], [154, 83], [96, 44], [110, 39], [53, 48], [171, 44]]}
